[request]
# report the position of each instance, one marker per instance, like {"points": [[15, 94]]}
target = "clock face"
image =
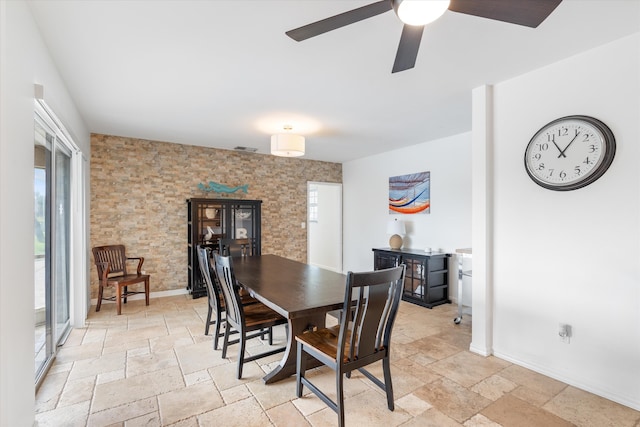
{"points": [[570, 153]]}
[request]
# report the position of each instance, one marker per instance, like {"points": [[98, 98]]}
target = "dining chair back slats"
{"points": [[369, 320]]}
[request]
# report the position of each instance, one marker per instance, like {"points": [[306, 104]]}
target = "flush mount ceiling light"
{"points": [[287, 144], [420, 12]]}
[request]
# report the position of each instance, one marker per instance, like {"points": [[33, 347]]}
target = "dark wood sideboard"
{"points": [[427, 278]]}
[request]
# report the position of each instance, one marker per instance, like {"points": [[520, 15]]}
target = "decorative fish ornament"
{"points": [[221, 188]]}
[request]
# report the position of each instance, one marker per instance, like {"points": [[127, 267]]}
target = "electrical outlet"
{"points": [[564, 332]]}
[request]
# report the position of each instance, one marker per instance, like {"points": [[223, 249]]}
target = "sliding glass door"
{"points": [[52, 243], [62, 242]]}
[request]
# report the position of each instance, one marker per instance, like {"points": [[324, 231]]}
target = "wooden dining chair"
{"points": [[214, 297], [248, 320], [215, 302], [362, 337], [111, 263]]}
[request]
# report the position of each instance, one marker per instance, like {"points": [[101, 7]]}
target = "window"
{"points": [[313, 203]]}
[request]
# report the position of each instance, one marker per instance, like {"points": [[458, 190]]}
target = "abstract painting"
{"points": [[410, 194]]}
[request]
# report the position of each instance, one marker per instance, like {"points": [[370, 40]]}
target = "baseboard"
{"points": [[586, 387], [482, 351], [159, 294], [326, 267]]}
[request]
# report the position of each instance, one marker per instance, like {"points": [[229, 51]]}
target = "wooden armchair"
{"points": [[111, 263]]}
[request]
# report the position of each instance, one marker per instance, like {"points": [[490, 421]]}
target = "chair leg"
{"points": [[99, 303], [301, 367], [386, 368], [270, 336], [146, 291], [339, 398], [241, 340], [119, 299], [126, 290], [225, 340], [208, 321], [216, 337]]}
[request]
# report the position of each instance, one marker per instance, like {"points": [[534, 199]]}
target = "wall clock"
{"points": [[570, 153]]}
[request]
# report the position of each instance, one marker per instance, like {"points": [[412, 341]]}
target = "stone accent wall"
{"points": [[139, 190]]}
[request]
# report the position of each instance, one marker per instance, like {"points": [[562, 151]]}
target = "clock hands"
{"points": [[553, 139], [570, 142]]}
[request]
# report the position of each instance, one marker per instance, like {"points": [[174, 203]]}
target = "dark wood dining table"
{"points": [[302, 293]]}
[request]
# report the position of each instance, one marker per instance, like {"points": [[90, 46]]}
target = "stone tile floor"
{"points": [[153, 366]]}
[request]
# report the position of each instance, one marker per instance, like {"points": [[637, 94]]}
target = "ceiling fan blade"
{"points": [[338, 21], [408, 47], [529, 13]]}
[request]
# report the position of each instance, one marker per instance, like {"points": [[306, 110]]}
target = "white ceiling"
{"points": [[222, 73]]}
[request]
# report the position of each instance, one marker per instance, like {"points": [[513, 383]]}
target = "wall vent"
{"points": [[246, 149]]}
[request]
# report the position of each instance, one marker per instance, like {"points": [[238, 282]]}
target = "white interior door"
{"points": [[324, 225]]}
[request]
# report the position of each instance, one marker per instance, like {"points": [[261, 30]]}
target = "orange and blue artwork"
{"points": [[410, 194]]}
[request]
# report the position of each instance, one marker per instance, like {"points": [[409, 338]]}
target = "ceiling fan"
{"points": [[529, 13]]}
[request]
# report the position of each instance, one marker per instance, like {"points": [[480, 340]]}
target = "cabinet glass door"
{"points": [[414, 278], [211, 223], [244, 223]]}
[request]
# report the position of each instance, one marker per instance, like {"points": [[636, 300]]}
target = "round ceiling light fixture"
{"points": [[420, 12], [287, 144]]}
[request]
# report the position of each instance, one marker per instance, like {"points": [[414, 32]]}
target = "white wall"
{"points": [[570, 257], [366, 195], [24, 61]]}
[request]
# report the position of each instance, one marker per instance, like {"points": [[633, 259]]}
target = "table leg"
{"points": [[287, 365]]}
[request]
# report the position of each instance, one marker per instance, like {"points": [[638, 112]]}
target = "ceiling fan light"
{"points": [[287, 145], [420, 12]]}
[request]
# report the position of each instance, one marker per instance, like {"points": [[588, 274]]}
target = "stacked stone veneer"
{"points": [[139, 190]]}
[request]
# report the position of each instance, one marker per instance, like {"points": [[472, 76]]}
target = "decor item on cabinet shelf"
{"points": [[210, 213], [410, 194], [209, 235], [395, 228], [287, 144], [221, 188]]}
